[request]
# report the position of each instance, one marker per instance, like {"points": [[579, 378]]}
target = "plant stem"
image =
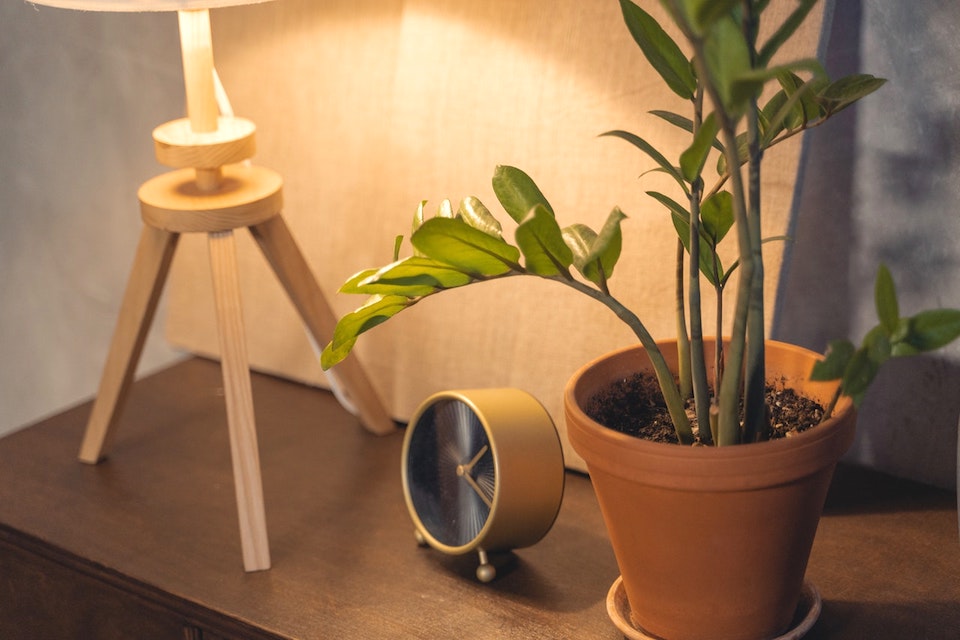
{"points": [[668, 385], [729, 419], [698, 366], [755, 421], [683, 339]]}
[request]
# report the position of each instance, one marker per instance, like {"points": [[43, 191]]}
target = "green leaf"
{"points": [[933, 329], [418, 218], [835, 361], [693, 159], [877, 344], [784, 32], [885, 299], [716, 216], [705, 13], [517, 192], [397, 245], [860, 372], [649, 149], [743, 152], [843, 92], [750, 82], [541, 242], [684, 123], [708, 262], [727, 59], [773, 117], [376, 310], [350, 286], [411, 277], [445, 210], [475, 214], [660, 50], [454, 242], [595, 255], [801, 107]]}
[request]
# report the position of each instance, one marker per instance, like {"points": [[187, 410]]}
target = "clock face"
{"points": [[450, 473]]}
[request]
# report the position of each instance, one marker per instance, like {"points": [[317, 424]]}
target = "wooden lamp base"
{"points": [[172, 204]]}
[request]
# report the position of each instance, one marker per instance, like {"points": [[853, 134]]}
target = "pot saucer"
{"points": [[618, 608]]}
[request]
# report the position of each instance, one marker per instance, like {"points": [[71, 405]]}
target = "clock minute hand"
{"points": [[465, 471]]}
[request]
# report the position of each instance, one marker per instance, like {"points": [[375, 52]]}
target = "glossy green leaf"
{"points": [[378, 309], [860, 372], [412, 277], [845, 91], [933, 329], [350, 286], [684, 123], [801, 106], [445, 210], [716, 216], [596, 255], [651, 151], [835, 361], [694, 157], [474, 213], [419, 217], [397, 245], [877, 344], [773, 117], [454, 242], [705, 13], [708, 262], [727, 59], [750, 82], [743, 152], [541, 242], [517, 192], [660, 50], [885, 299]]}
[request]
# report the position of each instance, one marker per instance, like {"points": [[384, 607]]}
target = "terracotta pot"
{"points": [[711, 542]]}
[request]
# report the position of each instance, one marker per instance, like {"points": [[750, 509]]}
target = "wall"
{"points": [[80, 95], [881, 186], [368, 106]]}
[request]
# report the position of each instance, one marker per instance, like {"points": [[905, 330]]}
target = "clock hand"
{"points": [[465, 472], [466, 475], [469, 466]]}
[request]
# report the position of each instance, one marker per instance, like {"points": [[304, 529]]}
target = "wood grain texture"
{"points": [[283, 254], [245, 196], [147, 277], [153, 529], [237, 392]]}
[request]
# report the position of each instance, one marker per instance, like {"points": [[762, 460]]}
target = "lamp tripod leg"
{"points": [[239, 399], [147, 277], [287, 261]]}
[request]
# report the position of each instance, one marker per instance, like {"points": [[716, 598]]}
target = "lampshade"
{"points": [[143, 5]]}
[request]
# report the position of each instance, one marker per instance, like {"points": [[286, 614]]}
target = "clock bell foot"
{"points": [[486, 571]]}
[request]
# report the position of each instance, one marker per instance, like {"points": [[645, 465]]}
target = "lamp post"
{"points": [[213, 190]]}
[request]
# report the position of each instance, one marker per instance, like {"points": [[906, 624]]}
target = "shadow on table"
{"points": [[879, 620]]}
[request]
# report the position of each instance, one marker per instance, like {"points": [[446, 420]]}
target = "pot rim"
{"points": [[679, 466]]}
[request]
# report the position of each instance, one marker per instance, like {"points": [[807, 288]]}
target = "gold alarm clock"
{"points": [[482, 471]]}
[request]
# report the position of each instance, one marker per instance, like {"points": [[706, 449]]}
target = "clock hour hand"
{"points": [[465, 471]]}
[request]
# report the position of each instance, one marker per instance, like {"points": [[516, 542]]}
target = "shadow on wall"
{"points": [[881, 187]]}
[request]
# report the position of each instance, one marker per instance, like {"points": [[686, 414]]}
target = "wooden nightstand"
{"points": [[145, 544]]}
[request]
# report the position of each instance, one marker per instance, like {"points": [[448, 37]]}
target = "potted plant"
{"points": [[688, 519]]}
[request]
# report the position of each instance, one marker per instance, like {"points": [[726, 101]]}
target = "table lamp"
{"points": [[213, 190]]}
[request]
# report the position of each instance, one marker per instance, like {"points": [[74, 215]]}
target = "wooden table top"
{"points": [[159, 517]]}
